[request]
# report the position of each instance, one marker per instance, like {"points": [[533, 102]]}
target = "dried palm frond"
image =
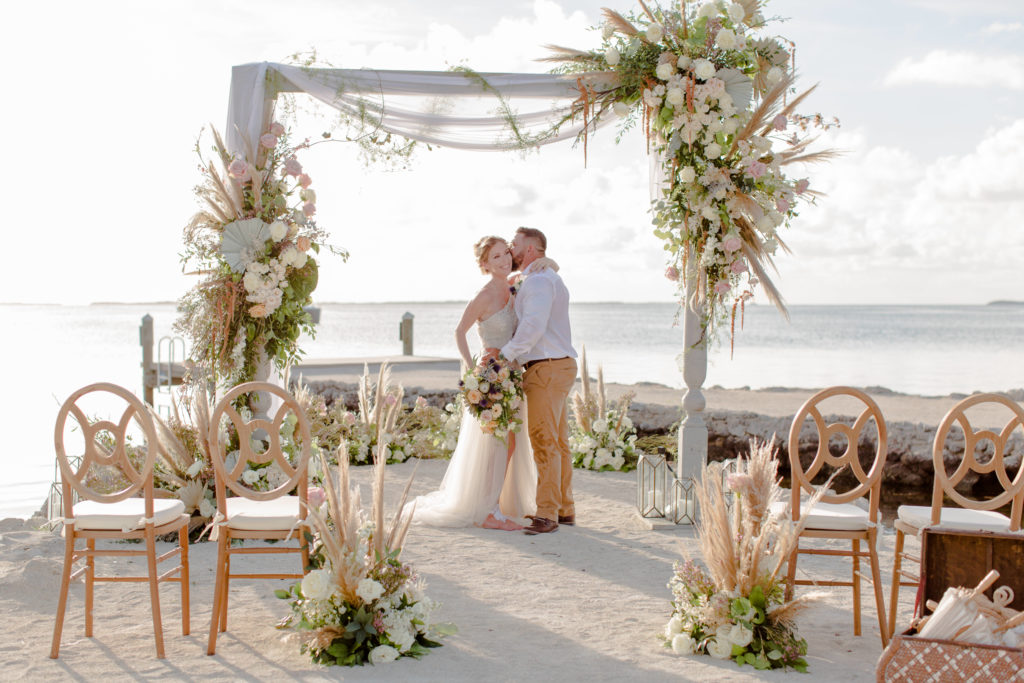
{"points": [[568, 54], [648, 12], [619, 22], [765, 110], [602, 400], [584, 407]]}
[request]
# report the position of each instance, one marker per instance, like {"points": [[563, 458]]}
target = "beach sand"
{"points": [[584, 603]]}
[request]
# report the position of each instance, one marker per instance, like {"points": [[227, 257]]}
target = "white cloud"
{"points": [[948, 68], [1004, 27]]}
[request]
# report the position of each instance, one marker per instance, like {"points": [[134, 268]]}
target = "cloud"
{"points": [[944, 67], [1001, 27]]}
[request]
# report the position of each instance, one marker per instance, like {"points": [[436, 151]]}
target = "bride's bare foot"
{"points": [[493, 522]]}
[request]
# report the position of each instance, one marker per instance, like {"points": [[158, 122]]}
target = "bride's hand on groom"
{"points": [[489, 353]]}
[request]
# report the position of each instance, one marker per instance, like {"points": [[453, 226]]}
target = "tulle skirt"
{"points": [[477, 481]]}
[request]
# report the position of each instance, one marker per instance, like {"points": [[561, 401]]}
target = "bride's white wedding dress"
{"points": [[476, 482]]}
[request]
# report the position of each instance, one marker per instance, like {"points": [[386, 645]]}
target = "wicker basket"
{"points": [[910, 659]]}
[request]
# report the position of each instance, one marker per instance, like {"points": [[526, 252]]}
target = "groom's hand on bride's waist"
{"points": [[489, 354]]}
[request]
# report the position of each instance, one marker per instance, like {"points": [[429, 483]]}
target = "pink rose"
{"points": [[782, 204], [303, 244], [391, 400], [292, 167], [738, 267], [305, 180], [802, 185], [276, 129], [268, 140], [349, 419], [780, 122], [722, 287], [757, 169], [421, 402], [309, 208], [732, 244], [672, 273], [316, 496], [239, 169]]}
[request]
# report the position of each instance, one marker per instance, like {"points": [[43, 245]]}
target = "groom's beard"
{"points": [[516, 262]]}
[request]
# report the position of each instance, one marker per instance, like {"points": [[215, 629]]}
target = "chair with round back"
{"points": [[120, 514], [836, 516], [972, 514], [274, 514]]}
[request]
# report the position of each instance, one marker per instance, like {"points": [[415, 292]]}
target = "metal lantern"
{"points": [[652, 484], [683, 509]]}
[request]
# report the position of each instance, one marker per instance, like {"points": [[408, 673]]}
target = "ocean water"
{"points": [[932, 350]]}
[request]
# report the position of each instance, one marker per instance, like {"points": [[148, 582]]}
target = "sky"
{"points": [[105, 100]]}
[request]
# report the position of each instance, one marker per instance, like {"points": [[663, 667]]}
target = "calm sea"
{"points": [[932, 350]]}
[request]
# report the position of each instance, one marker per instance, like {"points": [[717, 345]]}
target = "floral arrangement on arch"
{"points": [[711, 89], [736, 608], [253, 243], [360, 603], [601, 437], [493, 393]]}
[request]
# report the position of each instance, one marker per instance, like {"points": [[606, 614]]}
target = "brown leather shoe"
{"points": [[541, 526], [568, 520]]}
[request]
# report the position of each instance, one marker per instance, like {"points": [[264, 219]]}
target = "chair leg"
{"points": [[186, 618], [305, 550], [876, 581], [856, 587], [218, 590], [227, 594], [894, 591], [154, 590], [90, 578], [791, 573], [65, 581]]}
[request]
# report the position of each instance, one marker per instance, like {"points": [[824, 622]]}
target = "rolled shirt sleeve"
{"points": [[537, 295]]}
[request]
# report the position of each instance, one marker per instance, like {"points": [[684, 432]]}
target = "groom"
{"points": [[543, 345]]}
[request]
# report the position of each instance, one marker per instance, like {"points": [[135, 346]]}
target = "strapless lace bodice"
{"points": [[496, 330]]}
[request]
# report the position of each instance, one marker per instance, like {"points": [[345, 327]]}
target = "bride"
{"points": [[488, 483]]}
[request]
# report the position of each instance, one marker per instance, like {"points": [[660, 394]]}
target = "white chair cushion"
{"points": [[125, 514], [920, 516], [829, 516], [279, 514]]}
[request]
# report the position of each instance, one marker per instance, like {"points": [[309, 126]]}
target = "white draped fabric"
{"points": [[451, 109]]}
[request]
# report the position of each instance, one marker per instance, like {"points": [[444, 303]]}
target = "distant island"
{"points": [[1005, 302]]}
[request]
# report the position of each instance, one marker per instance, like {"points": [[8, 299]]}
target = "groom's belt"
{"points": [[530, 363]]}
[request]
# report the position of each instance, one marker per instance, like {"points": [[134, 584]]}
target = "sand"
{"points": [[584, 603]]}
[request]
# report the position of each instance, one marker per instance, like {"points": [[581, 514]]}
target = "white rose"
{"points": [[708, 9], [737, 12], [278, 230], [713, 151], [620, 109], [683, 644], [369, 590], [675, 97], [665, 71], [683, 62], [600, 426], [382, 654], [687, 174], [612, 56], [674, 626], [251, 281], [250, 477], [308, 195], [655, 33], [720, 648], [703, 69], [710, 214], [318, 585], [730, 125], [774, 75], [726, 39], [299, 259], [740, 635]]}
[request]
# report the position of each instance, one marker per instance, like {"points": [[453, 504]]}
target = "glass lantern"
{"points": [[652, 484]]}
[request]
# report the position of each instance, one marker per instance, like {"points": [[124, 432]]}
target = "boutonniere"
{"points": [[516, 284]]}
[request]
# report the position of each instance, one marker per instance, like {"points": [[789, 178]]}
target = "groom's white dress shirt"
{"points": [[542, 306]]}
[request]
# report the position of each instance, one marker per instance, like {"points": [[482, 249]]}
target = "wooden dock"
{"points": [[424, 371]]}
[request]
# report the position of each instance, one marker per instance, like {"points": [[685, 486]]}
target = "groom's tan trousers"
{"points": [[547, 385]]}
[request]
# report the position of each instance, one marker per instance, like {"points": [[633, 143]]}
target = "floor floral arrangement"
{"points": [[253, 244], [361, 603], [602, 436], [713, 92], [736, 607]]}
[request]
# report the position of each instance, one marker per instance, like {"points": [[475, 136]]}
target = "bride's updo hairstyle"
{"points": [[482, 249]]}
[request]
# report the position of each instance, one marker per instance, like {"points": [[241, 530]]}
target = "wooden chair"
{"points": [[835, 516], [252, 514], [972, 514], [119, 515]]}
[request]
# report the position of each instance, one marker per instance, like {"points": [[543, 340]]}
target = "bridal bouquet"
{"points": [[711, 90], [737, 608], [360, 603], [493, 393], [253, 244]]}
